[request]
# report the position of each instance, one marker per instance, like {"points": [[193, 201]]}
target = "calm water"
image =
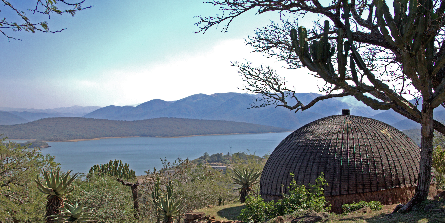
{"points": [[144, 153]]}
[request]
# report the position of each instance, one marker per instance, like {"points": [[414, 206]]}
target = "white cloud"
{"points": [[183, 75]]}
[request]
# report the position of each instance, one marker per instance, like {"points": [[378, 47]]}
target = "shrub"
{"points": [[373, 205], [196, 185], [298, 198], [257, 210], [109, 199], [20, 199], [439, 166]]}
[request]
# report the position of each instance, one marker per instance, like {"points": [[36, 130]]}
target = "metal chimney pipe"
{"points": [[345, 112]]}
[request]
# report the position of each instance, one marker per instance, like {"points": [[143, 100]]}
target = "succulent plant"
{"points": [[113, 168], [74, 213], [56, 187], [167, 205], [246, 179]]}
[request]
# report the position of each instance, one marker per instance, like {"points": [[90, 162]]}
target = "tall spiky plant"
{"points": [[168, 205], [246, 179], [56, 187], [74, 213]]}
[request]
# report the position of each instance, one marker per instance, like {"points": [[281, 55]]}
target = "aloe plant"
{"points": [[246, 179], [168, 206], [56, 187], [74, 213]]}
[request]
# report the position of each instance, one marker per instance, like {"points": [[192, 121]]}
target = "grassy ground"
{"points": [[224, 213], [231, 211]]}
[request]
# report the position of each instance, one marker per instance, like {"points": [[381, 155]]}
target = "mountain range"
{"points": [[222, 106]]}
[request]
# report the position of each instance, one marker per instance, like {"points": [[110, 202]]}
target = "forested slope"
{"points": [[62, 129]]}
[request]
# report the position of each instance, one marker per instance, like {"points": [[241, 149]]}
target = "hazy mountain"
{"points": [[7, 118], [389, 117], [406, 124], [63, 129], [35, 114], [230, 107]]}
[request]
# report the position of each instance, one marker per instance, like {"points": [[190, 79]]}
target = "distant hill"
{"points": [[63, 129], [221, 106], [414, 134], [230, 107], [7, 118], [28, 115]]}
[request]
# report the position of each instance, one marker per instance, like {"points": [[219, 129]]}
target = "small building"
{"points": [[361, 158]]}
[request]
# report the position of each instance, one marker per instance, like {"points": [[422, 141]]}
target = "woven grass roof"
{"points": [[356, 155]]}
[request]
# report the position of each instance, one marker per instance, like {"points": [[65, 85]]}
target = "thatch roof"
{"points": [[356, 155]]}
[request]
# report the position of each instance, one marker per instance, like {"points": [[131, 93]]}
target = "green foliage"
{"points": [[110, 200], [438, 163], [246, 179], [214, 158], [167, 204], [113, 168], [373, 205], [55, 185], [195, 186], [299, 198], [20, 200], [257, 210], [439, 166], [439, 159], [74, 213]]}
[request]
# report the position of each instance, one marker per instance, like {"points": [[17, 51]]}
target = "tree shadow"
{"points": [[413, 216], [231, 213]]}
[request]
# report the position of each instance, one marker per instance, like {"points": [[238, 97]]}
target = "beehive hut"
{"points": [[361, 158]]}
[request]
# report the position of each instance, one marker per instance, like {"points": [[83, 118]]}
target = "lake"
{"points": [[144, 153]]}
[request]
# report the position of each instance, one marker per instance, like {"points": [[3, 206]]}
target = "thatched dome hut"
{"points": [[361, 158]]}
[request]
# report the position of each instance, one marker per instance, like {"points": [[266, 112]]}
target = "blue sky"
{"points": [[129, 52]]}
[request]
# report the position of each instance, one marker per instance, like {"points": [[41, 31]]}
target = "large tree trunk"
{"points": [[426, 153]]}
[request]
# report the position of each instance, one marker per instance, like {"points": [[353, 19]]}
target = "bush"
{"points": [[109, 199], [20, 200], [439, 166], [373, 205], [257, 210], [195, 185], [298, 198]]}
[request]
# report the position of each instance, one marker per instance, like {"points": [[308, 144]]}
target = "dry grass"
{"points": [[231, 211], [228, 212]]}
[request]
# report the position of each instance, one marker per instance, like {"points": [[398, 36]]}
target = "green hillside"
{"points": [[64, 129]]}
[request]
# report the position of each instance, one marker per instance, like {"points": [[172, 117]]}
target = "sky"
{"points": [[129, 52]]}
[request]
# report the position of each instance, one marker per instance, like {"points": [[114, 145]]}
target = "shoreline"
{"points": [[120, 137]]}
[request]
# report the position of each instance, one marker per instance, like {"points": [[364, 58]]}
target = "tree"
{"points": [[31, 23], [378, 55], [19, 198]]}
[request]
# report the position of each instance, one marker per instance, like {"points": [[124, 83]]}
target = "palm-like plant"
{"points": [[56, 187], [74, 213], [246, 179]]}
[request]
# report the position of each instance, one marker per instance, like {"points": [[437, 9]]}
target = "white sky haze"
{"points": [[130, 52]]}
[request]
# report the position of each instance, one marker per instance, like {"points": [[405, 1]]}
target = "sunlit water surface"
{"points": [[143, 154]]}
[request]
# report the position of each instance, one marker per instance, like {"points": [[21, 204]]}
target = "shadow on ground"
{"points": [[430, 211], [230, 213], [414, 216]]}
